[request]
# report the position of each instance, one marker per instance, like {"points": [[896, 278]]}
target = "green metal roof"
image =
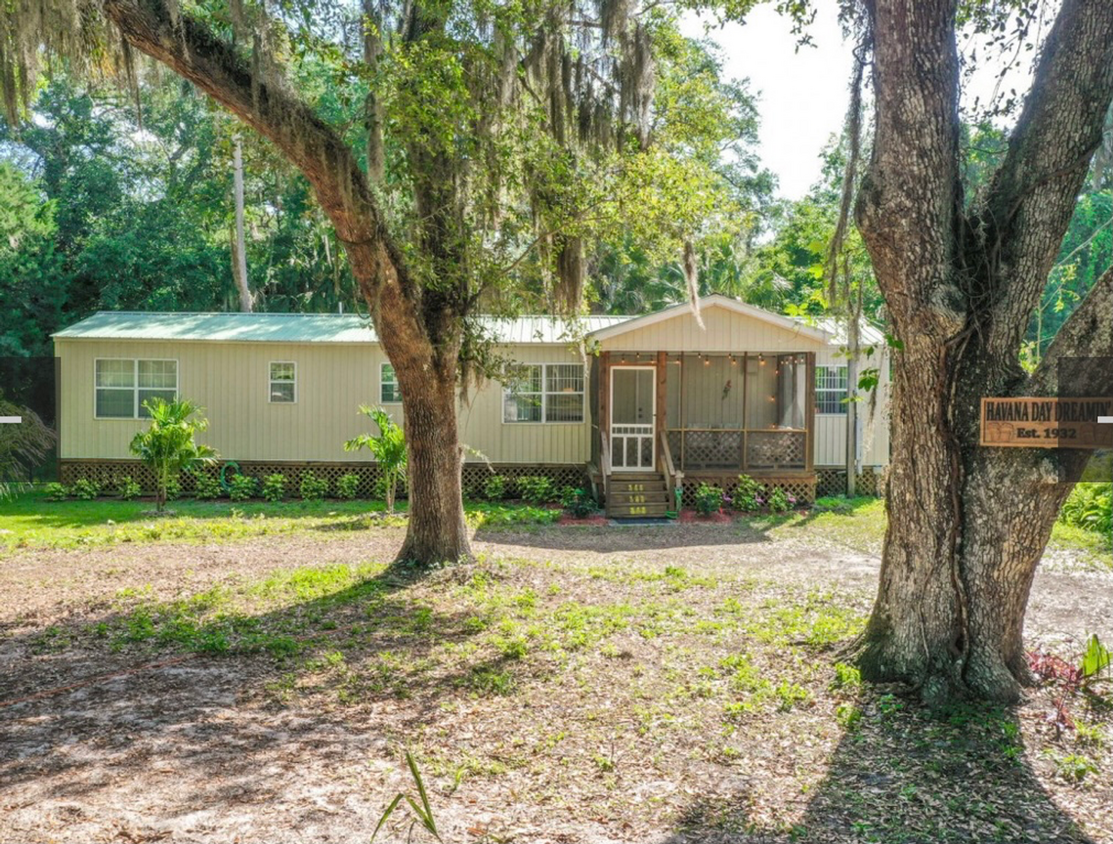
{"points": [[302, 328]]}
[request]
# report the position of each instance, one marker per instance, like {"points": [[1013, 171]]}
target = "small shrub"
{"points": [[494, 489], [580, 503], [748, 495], [313, 488], [780, 501], [274, 487], [173, 489], [206, 486], [85, 489], [127, 488], [536, 489], [347, 485], [242, 487], [56, 492], [709, 499]]}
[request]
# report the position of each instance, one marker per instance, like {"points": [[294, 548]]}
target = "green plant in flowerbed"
{"points": [[389, 448], [749, 495], [242, 487], [274, 487], [347, 485], [536, 489], [173, 488], [56, 492], [85, 489], [781, 501], [580, 503], [127, 488], [313, 488], [206, 486], [494, 488], [168, 446], [709, 499], [1090, 506]]}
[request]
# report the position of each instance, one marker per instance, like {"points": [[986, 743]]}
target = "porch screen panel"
{"points": [[712, 392], [762, 392]]}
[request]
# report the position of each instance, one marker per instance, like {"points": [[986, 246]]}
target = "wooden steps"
{"points": [[637, 495]]}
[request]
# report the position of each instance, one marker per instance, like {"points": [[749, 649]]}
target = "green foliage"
{"points": [[388, 447], [536, 489], [85, 489], [173, 488], [780, 501], [578, 502], [206, 486], [23, 447], [423, 813], [242, 488], [168, 445], [347, 485], [709, 499], [56, 492], [313, 488], [1090, 506], [274, 487], [1095, 660], [747, 494], [494, 488], [127, 488]]}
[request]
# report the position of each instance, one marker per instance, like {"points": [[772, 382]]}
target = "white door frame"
{"points": [[651, 434]]}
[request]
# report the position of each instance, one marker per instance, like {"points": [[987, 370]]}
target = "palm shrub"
{"points": [[389, 449], [23, 447], [168, 445]]}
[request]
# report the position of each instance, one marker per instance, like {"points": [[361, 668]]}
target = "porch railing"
{"points": [[673, 477], [740, 449]]}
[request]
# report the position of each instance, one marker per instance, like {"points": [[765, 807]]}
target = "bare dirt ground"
{"points": [[578, 685]]}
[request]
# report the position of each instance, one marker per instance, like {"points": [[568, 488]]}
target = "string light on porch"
{"points": [[761, 359], [733, 362], [707, 360]]}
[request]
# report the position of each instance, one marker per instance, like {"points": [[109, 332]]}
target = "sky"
{"points": [[803, 95]]}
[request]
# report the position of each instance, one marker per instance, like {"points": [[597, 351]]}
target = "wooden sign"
{"points": [[1046, 422]]}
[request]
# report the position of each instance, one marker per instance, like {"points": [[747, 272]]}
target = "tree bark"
{"points": [[419, 330], [239, 242], [968, 525]]}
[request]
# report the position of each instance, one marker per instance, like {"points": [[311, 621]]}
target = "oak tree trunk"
{"points": [[968, 525]]}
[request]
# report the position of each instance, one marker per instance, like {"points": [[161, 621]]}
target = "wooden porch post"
{"points": [[605, 412], [745, 412], [809, 414], [661, 409]]}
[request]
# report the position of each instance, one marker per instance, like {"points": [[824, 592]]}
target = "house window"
{"points": [[122, 386], [283, 383], [389, 393], [830, 389], [550, 392]]}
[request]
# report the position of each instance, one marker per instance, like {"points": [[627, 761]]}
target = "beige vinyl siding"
{"points": [[830, 429], [723, 331], [231, 381]]}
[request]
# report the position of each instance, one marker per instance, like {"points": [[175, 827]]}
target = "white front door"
{"points": [[633, 408]]}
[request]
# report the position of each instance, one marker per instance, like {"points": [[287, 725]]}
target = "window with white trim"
{"points": [[831, 389], [122, 385], [283, 382], [389, 392], [544, 392]]}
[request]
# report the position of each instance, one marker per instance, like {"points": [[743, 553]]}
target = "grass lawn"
{"points": [[30, 520], [656, 684]]}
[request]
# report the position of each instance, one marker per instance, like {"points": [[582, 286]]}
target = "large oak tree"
{"points": [[492, 142], [962, 276]]}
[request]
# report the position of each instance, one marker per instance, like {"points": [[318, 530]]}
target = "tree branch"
{"points": [[1087, 335], [191, 50], [1035, 191]]}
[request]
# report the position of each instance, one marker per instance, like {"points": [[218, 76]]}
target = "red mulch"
{"points": [[688, 517]]}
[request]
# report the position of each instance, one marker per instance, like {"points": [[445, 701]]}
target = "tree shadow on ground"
{"points": [[607, 539], [902, 774]]}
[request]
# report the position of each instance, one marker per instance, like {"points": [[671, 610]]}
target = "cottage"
{"points": [[637, 406]]}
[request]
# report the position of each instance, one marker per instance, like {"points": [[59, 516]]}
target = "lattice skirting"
{"points": [[108, 472], [871, 481], [802, 486]]}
